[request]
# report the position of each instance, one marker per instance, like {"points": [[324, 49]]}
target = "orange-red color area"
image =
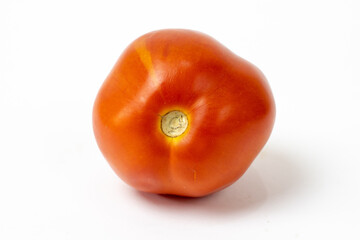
{"points": [[228, 102]]}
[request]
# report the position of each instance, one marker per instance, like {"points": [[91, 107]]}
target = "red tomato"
{"points": [[181, 114]]}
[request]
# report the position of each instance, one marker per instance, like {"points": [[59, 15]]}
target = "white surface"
{"points": [[55, 184]]}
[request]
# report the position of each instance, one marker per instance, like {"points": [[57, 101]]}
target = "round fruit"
{"points": [[181, 114]]}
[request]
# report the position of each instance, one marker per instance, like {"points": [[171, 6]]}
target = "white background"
{"points": [[55, 184]]}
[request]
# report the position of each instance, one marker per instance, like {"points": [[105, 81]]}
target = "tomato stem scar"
{"points": [[174, 123]]}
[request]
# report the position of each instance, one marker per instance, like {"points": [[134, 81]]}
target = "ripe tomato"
{"points": [[181, 114]]}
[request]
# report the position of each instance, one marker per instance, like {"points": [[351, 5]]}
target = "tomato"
{"points": [[181, 114]]}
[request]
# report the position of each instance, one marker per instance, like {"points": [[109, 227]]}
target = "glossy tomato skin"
{"points": [[227, 100]]}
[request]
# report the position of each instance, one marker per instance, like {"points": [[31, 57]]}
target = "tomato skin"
{"points": [[227, 100]]}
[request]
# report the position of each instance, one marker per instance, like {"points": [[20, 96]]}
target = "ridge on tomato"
{"points": [[181, 114]]}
